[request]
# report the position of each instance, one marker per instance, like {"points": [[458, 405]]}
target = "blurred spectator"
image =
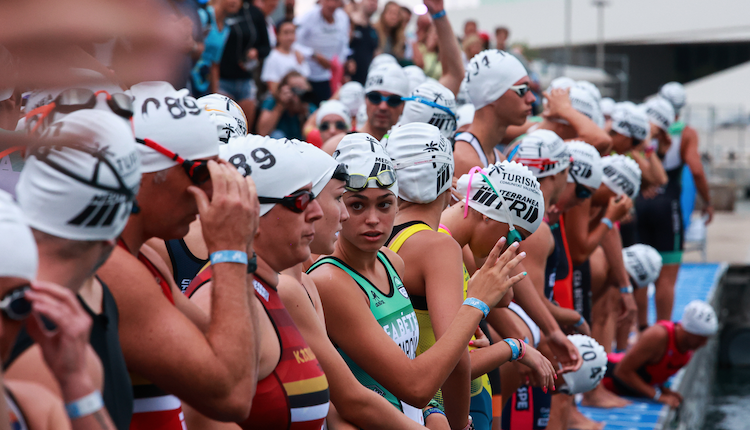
{"points": [[325, 30], [268, 7], [472, 46], [288, 10], [333, 118], [423, 27], [391, 31], [190, 23], [501, 37], [246, 46], [284, 58], [409, 36], [205, 74], [470, 27], [364, 39], [485, 38], [430, 55], [284, 113]]}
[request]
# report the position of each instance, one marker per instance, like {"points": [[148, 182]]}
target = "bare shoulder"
{"points": [[396, 260], [41, 408], [541, 241], [290, 290], [160, 247]]}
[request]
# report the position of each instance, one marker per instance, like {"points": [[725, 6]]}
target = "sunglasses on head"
{"points": [[357, 182], [513, 234], [197, 171], [376, 98], [339, 125], [295, 202], [582, 192], [14, 304], [521, 89], [74, 99]]}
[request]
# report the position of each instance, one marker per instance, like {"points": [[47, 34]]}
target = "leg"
{"points": [[664, 296], [559, 412], [641, 299], [600, 397]]}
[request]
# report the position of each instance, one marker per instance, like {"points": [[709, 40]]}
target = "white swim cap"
{"points": [[416, 77], [18, 254], [587, 164], [423, 159], [389, 78], [643, 263], [699, 318], [607, 105], [463, 98], [660, 112], [582, 101], [490, 74], [621, 175], [590, 88], [364, 156], [630, 121], [382, 60], [543, 152], [563, 82], [674, 93], [522, 202], [226, 114], [361, 116], [319, 164], [464, 115], [84, 192], [352, 95], [593, 368], [277, 168], [172, 119], [333, 107], [431, 103]]}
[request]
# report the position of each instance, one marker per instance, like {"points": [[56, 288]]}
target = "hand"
{"points": [[618, 207], [480, 340], [493, 279], [434, 6], [284, 95], [558, 103], [351, 67], [672, 393], [565, 352], [64, 349], [670, 399], [709, 210], [229, 219], [542, 372], [650, 192], [252, 54], [323, 61], [629, 309]]}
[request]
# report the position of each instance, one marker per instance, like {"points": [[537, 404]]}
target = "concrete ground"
{"points": [[728, 237]]}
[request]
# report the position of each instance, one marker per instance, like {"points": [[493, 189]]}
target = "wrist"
{"points": [[437, 15], [626, 290], [657, 394], [478, 304], [85, 405], [515, 350], [608, 222], [580, 322], [228, 256], [75, 385]]}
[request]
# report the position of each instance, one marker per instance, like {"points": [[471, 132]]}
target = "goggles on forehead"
{"points": [[430, 103], [513, 234], [357, 182], [424, 158]]}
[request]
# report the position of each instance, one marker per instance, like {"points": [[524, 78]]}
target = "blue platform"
{"points": [[694, 281]]}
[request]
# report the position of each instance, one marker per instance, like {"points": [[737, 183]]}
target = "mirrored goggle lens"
{"points": [[74, 99], [199, 172]]}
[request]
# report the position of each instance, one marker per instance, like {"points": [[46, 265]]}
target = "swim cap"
{"points": [[84, 192], [585, 103], [174, 120], [593, 368], [382, 60], [226, 114], [590, 88], [587, 164], [363, 155], [333, 107], [389, 78], [490, 74], [621, 175], [607, 105], [278, 168], [431, 103], [464, 115], [543, 152], [462, 98], [320, 165], [352, 95], [519, 190], [423, 159], [563, 82], [699, 318], [630, 121], [415, 75], [643, 263], [660, 112], [19, 257], [674, 93], [361, 116]]}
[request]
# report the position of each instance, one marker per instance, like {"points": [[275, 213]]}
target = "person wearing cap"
{"points": [[226, 114], [431, 103], [283, 114], [660, 352], [352, 95], [464, 117], [77, 237], [500, 91], [387, 360], [74, 377], [628, 128], [332, 119], [666, 230], [283, 58], [206, 364]]}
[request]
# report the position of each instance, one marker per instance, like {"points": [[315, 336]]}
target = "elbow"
{"points": [[419, 395], [578, 257], [604, 145], [233, 404]]}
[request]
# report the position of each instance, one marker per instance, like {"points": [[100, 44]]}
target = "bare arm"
{"points": [[651, 168], [269, 119], [582, 241], [649, 349], [612, 247], [693, 160], [559, 106], [449, 51]]}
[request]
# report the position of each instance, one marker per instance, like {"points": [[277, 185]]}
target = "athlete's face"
{"points": [[560, 183], [372, 213], [380, 116], [331, 125], [568, 198], [486, 234], [513, 109], [694, 341], [284, 236], [334, 214], [620, 143]]}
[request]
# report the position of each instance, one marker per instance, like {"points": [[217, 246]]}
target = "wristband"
{"points": [[252, 263], [608, 222], [626, 290], [229, 257], [580, 322], [438, 15], [657, 394], [523, 348], [514, 351], [85, 406], [476, 303], [429, 411]]}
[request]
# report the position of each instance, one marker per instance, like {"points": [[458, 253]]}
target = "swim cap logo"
{"points": [[658, 116], [581, 169], [620, 180], [373, 81], [637, 266], [101, 211]]}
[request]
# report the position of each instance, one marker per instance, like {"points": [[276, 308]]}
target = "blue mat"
{"points": [[694, 281]]}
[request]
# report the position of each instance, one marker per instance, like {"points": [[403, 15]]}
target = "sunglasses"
{"points": [[582, 192], [357, 182], [14, 304], [376, 98], [521, 90], [513, 234], [430, 103], [296, 202], [340, 125], [74, 99], [197, 171]]}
